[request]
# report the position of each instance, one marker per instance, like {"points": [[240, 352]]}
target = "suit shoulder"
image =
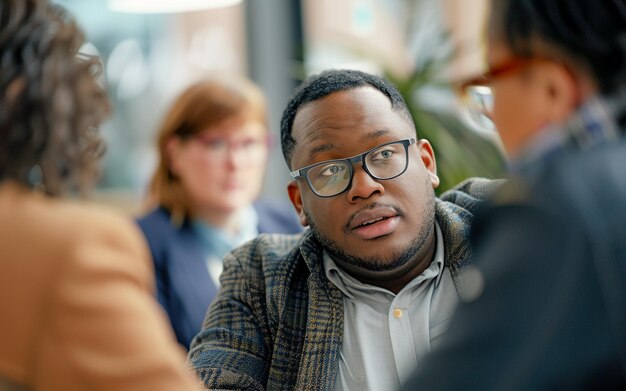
{"points": [[157, 218], [71, 231], [105, 225], [277, 217], [515, 191]]}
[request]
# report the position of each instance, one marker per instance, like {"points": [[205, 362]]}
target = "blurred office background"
{"points": [[151, 49]]}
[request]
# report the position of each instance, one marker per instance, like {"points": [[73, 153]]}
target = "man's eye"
{"points": [[383, 155], [331, 169]]}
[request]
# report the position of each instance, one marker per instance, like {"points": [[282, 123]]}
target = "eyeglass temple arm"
{"points": [[295, 174]]}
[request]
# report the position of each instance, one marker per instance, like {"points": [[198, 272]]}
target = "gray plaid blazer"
{"points": [[277, 322]]}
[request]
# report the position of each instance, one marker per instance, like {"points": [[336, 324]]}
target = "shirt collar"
{"points": [[218, 242], [349, 285]]}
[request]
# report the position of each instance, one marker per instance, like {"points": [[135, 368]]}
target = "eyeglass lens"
{"points": [[333, 177], [479, 104], [219, 148]]}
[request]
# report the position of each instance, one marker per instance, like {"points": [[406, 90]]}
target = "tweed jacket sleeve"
{"points": [[235, 348]]}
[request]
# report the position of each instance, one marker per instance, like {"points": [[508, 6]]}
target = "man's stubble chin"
{"points": [[387, 260]]}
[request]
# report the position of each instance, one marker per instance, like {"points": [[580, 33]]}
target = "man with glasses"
{"points": [[356, 301], [549, 309]]}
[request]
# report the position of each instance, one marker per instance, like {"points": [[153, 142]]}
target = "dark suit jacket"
{"points": [[184, 287], [552, 313]]}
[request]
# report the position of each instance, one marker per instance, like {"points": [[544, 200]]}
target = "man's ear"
{"points": [[427, 155], [296, 199]]}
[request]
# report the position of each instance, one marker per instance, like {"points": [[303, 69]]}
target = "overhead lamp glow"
{"points": [[167, 6]]}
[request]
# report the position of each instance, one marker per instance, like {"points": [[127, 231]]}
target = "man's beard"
{"points": [[376, 263]]}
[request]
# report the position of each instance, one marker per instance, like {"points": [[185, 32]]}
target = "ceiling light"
{"points": [[167, 6]]}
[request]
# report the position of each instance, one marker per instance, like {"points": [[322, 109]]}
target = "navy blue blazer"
{"points": [[184, 287]]}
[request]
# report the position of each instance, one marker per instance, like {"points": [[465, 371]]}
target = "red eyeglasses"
{"points": [[477, 94]]}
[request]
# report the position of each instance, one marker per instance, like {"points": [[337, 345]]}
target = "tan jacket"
{"points": [[76, 305]]}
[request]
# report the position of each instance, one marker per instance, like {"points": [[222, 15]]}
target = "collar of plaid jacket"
{"points": [[594, 123]]}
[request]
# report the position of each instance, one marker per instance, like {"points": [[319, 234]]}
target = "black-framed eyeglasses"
{"points": [[332, 177]]}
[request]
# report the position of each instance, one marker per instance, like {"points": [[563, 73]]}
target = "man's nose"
{"points": [[363, 185]]}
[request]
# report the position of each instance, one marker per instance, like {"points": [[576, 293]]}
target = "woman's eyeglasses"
{"points": [[477, 94]]}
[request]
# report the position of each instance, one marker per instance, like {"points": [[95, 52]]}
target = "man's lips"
{"points": [[375, 222], [370, 216]]}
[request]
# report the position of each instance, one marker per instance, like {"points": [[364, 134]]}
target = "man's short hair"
{"points": [[590, 31], [326, 83]]}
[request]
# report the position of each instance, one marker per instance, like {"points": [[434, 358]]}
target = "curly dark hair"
{"points": [[326, 83], [51, 104]]}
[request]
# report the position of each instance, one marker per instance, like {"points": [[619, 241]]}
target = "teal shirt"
{"points": [[218, 242]]}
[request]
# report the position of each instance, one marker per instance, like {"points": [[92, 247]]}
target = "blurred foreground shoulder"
{"points": [[86, 316]]}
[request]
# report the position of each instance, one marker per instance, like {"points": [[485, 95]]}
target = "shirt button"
{"points": [[397, 313]]}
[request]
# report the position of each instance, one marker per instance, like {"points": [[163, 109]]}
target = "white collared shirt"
{"points": [[386, 335]]}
